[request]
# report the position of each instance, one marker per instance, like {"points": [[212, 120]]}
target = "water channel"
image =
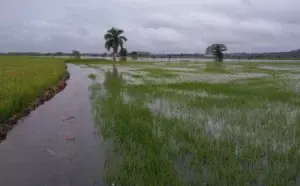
{"points": [[57, 144]]}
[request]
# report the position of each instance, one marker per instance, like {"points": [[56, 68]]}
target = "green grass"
{"points": [[156, 72], [233, 89], [137, 76], [244, 132], [22, 79], [145, 166], [88, 61], [215, 67]]}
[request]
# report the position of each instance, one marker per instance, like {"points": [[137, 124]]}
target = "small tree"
{"points": [[216, 50], [76, 54], [123, 54], [134, 55], [58, 54], [105, 54]]}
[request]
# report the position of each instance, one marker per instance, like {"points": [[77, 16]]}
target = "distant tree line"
{"points": [[249, 56], [114, 44]]}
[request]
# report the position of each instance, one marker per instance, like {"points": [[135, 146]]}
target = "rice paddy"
{"points": [[23, 79], [175, 123], [199, 124]]}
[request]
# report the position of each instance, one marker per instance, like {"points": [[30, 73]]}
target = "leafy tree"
{"points": [[216, 50], [58, 54], [76, 54], [114, 40], [105, 54], [134, 55], [123, 54]]}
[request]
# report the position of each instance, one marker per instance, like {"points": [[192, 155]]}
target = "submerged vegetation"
{"points": [[92, 76], [236, 130]]}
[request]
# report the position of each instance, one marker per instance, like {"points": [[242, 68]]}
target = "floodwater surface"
{"points": [[56, 145], [191, 59]]}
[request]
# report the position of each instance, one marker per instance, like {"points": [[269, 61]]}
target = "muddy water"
{"points": [[56, 145]]}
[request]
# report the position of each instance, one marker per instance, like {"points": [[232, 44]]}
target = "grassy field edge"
{"points": [[46, 95]]}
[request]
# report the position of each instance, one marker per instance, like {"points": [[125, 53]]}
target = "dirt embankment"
{"points": [[45, 96]]}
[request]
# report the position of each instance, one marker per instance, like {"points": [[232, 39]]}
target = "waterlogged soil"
{"points": [[56, 144]]}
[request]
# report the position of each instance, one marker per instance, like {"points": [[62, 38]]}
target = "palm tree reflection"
{"points": [[113, 84]]}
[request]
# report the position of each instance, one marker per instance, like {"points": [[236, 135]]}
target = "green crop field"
{"points": [[22, 79], [230, 124]]}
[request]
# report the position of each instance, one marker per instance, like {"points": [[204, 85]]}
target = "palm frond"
{"points": [[113, 31], [120, 41], [108, 36], [123, 38], [119, 32], [121, 45], [109, 44]]}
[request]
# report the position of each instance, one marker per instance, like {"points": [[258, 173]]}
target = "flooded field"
{"points": [[162, 123], [200, 123], [189, 59]]}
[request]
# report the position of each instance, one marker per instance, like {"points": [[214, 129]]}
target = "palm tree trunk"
{"points": [[114, 56], [115, 53]]}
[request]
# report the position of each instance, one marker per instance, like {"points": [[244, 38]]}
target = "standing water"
{"points": [[56, 145], [191, 59], [187, 59]]}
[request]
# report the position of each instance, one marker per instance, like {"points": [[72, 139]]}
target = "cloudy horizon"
{"points": [[166, 26]]}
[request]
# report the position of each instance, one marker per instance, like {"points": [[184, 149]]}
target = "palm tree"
{"points": [[114, 39], [217, 51]]}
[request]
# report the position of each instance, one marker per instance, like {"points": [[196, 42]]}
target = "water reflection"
{"points": [[107, 98], [113, 84], [134, 155]]}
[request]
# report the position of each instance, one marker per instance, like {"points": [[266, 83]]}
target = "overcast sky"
{"points": [[150, 25]]}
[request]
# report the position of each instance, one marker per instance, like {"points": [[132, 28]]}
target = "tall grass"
{"points": [[88, 61], [22, 79], [215, 67], [160, 73]]}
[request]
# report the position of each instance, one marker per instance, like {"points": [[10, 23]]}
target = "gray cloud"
{"points": [[156, 26]]}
